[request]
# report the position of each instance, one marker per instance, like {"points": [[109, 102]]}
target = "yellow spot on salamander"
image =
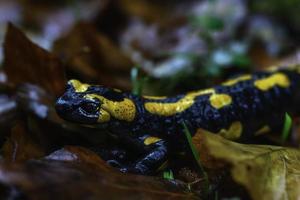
{"points": [[122, 110], [220, 100], [263, 130], [104, 116], [237, 80], [277, 79], [155, 97], [234, 132], [169, 109], [117, 90], [78, 86], [151, 140]]}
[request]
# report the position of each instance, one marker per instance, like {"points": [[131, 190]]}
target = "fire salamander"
{"points": [[236, 109]]}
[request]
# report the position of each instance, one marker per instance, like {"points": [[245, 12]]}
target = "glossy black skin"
{"points": [[72, 106], [252, 107]]}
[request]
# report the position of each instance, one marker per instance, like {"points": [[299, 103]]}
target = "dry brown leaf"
{"points": [[267, 172], [94, 57], [20, 147], [24, 61], [81, 155], [291, 59], [150, 11], [8, 114], [77, 174], [41, 14], [261, 58]]}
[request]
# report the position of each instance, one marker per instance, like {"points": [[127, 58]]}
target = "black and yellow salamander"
{"points": [[236, 109]]}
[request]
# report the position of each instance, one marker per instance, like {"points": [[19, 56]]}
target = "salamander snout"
{"points": [[77, 109]]}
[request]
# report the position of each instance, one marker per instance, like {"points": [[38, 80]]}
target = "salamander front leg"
{"points": [[154, 158]]}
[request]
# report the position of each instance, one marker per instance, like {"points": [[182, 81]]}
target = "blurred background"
{"points": [[160, 47]]}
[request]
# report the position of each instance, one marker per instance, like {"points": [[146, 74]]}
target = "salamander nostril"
{"points": [[62, 106]]}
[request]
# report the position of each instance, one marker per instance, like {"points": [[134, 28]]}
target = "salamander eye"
{"points": [[89, 107]]}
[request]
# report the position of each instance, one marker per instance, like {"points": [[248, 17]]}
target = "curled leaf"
{"points": [[267, 172], [24, 61], [94, 57], [80, 178], [20, 147]]}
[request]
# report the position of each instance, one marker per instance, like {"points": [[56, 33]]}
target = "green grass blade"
{"points": [[137, 84], [189, 139], [286, 127], [196, 157], [168, 175]]}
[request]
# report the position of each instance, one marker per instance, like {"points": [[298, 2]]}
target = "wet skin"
{"points": [[236, 109]]}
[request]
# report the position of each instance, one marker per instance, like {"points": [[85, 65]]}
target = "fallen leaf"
{"points": [[59, 16], [80, 155], [24, 61], [267, 172], [80, 179], [8, 113], [20, 147], [260, 57], [291, 59], [150, 11], [94, 57]]}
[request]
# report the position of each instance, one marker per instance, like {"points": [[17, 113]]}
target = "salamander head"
{"points": [[88, 104]]}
